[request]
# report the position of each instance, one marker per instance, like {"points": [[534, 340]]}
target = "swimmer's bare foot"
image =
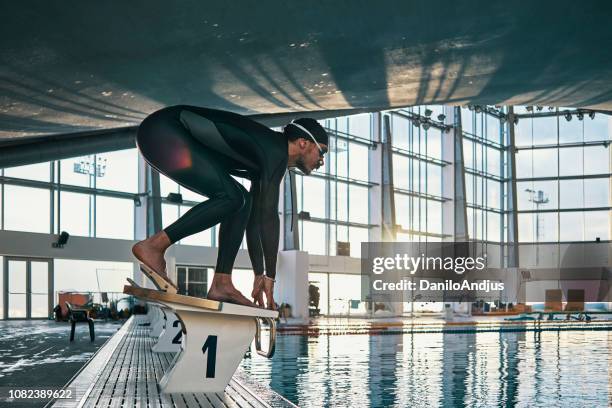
{"points": [[222, 289], [150, 253]]}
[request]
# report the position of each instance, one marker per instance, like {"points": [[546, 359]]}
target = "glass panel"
{"points": [[467, 121], [534, 195], [493, 128], [40, 277], [402, 214], [571, 131], [40, 306], [17, 276], [342, 124], [121, 171], [571, 192], [493, 226], [596, 225], [524, 168], [170, 213], [570, 161], [342, 201], [493, 194], [17, 306], [545, 130], [544, 162], [341, 158], [114, 218], [468, 154], [400, 172], [541, 227], [358, 204], [74, 213], [358, 161], [596, 192], [343, 289], [359, 125], [493, 161], [599, 128], [434, 216], [313, 234], [27, 209], [181, 280], [313, 196], [434, 144], [434, 179], [572, 226], [523, 131], [399, 127], [598, 160], [38, 171]]}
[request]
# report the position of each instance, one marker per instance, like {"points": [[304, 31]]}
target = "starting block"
{"points": [[165, 326], [215, 337], [169, 341], [159, 321]]}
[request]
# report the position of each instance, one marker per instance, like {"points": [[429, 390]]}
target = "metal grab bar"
{"points": [[272, 323]]}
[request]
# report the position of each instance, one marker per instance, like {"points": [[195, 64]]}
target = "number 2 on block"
{"points": [[177, 338], [210, 345]]}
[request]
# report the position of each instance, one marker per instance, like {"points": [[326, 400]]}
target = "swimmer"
{"points": [[201, 149]]}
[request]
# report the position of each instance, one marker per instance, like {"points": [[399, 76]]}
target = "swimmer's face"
{"points": [[312, 158]]}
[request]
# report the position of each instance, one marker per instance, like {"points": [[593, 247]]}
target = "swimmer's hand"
{"points": [[268, 284], [258, 293]]}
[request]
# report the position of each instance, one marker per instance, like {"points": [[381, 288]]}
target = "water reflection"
{"points": [[504, 369]]}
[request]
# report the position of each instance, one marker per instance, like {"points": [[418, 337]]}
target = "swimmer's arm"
{"points": [[254, 244], [269, 231]]}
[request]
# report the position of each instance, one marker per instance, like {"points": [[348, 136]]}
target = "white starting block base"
{"points": [[159, 322], [216, 337], [169, 341]]}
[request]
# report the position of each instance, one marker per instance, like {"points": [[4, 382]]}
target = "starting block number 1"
{"points": [[210, 345]]}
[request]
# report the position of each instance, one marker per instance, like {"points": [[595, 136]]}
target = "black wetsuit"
{"points": [[200, 149]]}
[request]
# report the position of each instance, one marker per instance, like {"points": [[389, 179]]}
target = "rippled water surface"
{"points": [[526, 369]]}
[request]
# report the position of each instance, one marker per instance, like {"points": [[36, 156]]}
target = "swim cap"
{"points": [[307, 128]]}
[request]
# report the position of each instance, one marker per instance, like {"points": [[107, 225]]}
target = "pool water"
{"points": [[523, 369]]}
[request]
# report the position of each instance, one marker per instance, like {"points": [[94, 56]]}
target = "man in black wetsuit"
{"points": [[201, 149]]}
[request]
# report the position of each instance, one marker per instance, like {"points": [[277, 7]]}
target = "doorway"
{"points": [[28, 288]]}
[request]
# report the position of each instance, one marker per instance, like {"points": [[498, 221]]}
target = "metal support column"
{"points": [[388, 196], [454, 212], [512, 256], [154, 217], [375, 176]]}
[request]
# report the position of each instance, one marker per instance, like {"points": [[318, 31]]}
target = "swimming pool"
{"points": [[508, 368]]}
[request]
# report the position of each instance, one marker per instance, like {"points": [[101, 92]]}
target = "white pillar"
{"points": [[292, 282]]}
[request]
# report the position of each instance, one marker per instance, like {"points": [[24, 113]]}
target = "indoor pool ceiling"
{"points": [[74, 65]]}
